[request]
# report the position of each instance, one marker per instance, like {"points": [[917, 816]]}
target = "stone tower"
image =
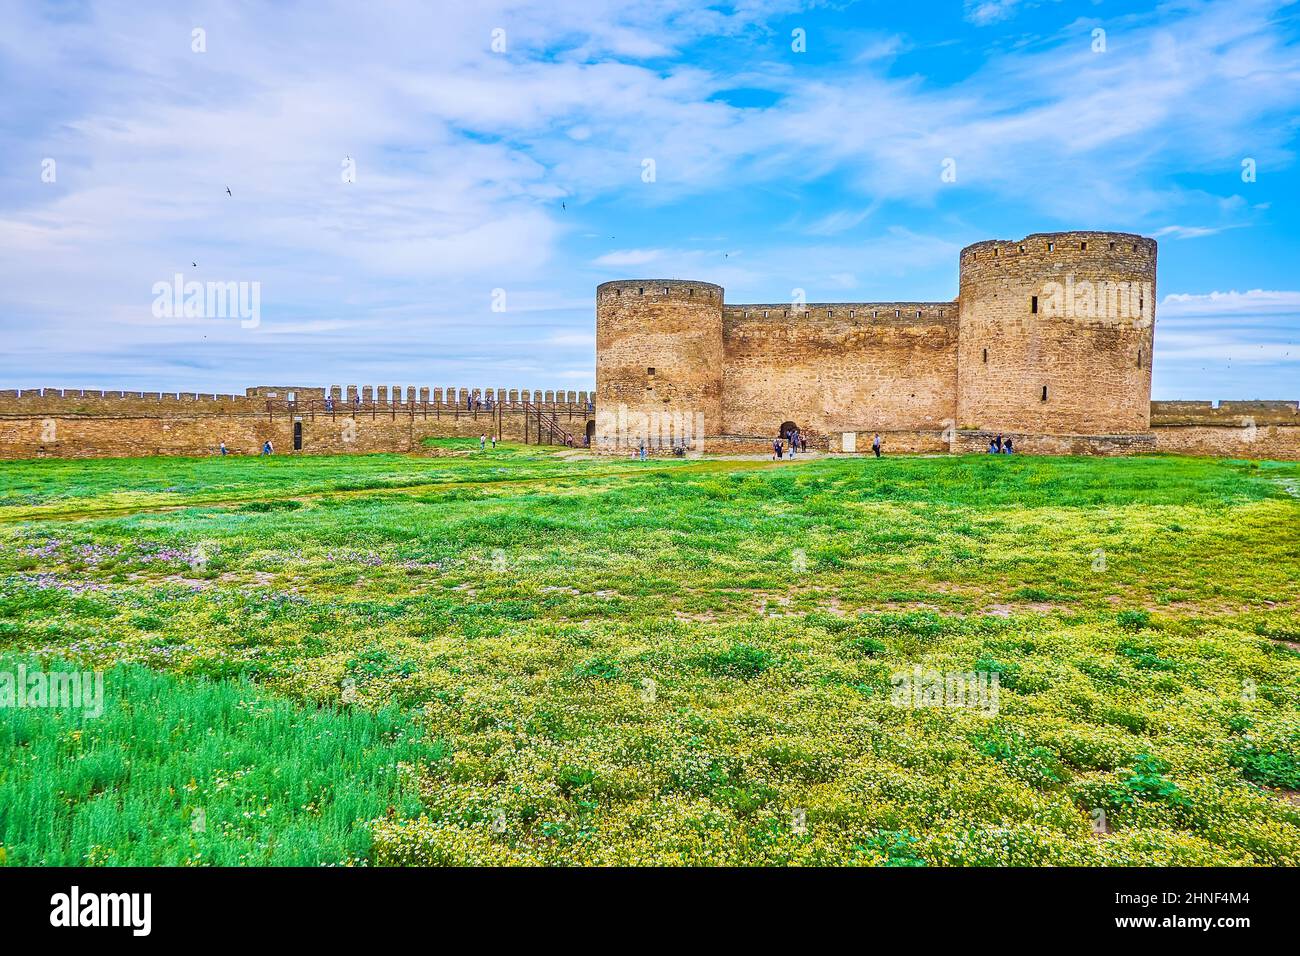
{"points": [[1056, 334], [660, 357]]}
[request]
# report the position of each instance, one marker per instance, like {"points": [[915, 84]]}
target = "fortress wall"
{"points": [[1093, 356], [1278, 442], [64, 425], [659, 350], [836, 367], [1253, 429]]}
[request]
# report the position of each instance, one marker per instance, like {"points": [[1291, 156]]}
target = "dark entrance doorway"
{"points": [[591, 432], [297, 436], [787, 429]]}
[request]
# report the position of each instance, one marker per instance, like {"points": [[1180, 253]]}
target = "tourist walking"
{"points": [[224, 451], [268, 448], [482, 441], [875, 445], [1006, 447]]}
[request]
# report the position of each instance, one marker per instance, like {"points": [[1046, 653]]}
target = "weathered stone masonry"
{"points": [[1050, 341]]}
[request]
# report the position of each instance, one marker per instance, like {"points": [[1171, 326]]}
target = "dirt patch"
{"points": [[696, 617], [1035, 607], [196, 584], [833, 607]]}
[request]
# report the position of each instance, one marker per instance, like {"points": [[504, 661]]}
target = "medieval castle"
{"points": [[1049, 341]]}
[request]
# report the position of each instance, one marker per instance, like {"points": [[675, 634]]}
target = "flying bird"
{"points": [[228, 192], [194, 264], [563, 207]]}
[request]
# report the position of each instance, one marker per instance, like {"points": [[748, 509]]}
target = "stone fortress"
{"points": [[1049, 341]]}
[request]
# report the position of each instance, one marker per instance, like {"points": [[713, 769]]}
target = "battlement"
{"points": [[258, 398], [652, 289], [855, 313], [1062, 247], [1225, 413]]}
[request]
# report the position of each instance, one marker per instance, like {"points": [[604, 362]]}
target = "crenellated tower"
{"points": [[1056, 333], [659, 354]]}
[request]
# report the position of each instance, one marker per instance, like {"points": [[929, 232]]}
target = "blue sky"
{"points": [[523, 170]]}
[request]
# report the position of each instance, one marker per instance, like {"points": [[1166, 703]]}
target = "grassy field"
{"points": [[520, 656]]}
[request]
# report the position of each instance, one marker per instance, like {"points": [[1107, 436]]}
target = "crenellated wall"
{"points": [[335, 419]]}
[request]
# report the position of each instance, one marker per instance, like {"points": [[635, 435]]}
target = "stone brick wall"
{"points": [[1228, 429], [836, 367], [1278, 442], [972, 441]]}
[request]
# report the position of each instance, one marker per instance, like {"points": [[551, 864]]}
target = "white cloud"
{"points": [[1254, 301]]}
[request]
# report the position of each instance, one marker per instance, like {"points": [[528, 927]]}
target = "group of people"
{"points": [[798, 443], [796, 440], [1001, 446], [267, 448]]}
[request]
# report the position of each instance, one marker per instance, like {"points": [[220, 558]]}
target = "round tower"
{"points": [[658, 363], [1055, 334]]}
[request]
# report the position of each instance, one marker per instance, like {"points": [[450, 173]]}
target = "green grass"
{"points": [[613, 661], [195, 773]]}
